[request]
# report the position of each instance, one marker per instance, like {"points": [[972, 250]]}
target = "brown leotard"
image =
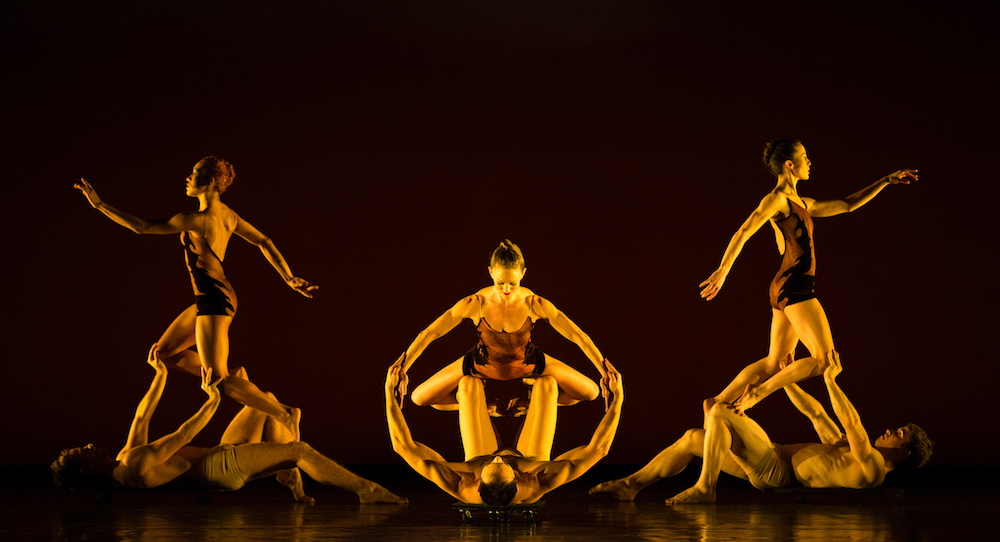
{"points": [[212, 292], [501, 355], [795, 281]]}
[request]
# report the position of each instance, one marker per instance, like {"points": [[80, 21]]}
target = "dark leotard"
{"points": [[212, 292], [501, 355], [796, 277]]}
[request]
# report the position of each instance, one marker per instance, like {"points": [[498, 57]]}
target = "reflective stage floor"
{"points": [[937, 504]]}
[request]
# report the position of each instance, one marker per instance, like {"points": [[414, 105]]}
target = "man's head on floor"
{"points": [[497, 484], [913, 446], [82, 468]]}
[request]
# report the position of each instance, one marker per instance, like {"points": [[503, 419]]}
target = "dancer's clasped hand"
{"points": [[210, 387], [153, 359], [611, 383], [833, 367], [396, 379]]}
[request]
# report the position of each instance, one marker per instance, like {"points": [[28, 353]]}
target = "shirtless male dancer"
{"points": [[735, 444], [490, 475], [254, 446]]}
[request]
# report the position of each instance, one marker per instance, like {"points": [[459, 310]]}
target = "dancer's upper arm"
{"points": [[440, 327], [248, 232]]}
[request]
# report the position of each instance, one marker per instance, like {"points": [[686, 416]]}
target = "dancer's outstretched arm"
{"points": [[465, 308], [267, 247], [176, 224], [767, 208], [825, 427], [138, 433], [567, 328], [574, 463], [147, 465], [870, 461], [427, 462], [850, 203]]}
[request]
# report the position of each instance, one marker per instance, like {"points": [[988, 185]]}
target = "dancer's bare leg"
{"points": [[671, 461], [478, 434], [212, 335], [809, 322], [539, 428], [247, 427], [727, 434], [574, 386], [291, 478], [751, 375], [268, 458], [439, 390], [175, 344], [251, 426], [783, 341]]}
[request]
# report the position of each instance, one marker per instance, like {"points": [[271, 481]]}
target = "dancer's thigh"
{"points": [[784, 339], [180, 334], [574, 386], [212, 336], [812, 326]]}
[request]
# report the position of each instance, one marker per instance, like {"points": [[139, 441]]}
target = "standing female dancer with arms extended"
{"points": [[504, 315], [796, 314], [205, 235]]}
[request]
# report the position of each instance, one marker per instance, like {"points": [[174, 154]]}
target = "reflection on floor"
{"points": [[943, 503]]}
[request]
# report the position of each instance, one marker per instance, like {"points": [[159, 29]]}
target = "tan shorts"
{"points": [[219, 468], [773, 470]]}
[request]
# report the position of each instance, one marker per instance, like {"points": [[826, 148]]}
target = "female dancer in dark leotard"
{"points": [[503, 354], [796, 314], [205, 235]]}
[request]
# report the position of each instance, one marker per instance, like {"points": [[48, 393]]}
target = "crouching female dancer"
{"points": [[205, 235], [504, 315]]}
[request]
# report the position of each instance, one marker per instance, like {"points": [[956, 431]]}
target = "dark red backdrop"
{"points": [[388, 147]]}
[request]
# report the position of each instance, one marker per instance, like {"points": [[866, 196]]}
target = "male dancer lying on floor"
{"points": [[736, 445], [253, 446], [509, 476]]}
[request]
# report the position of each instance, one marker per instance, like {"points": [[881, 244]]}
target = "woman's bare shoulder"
{"points": [[776, 195], [468, 301], [775, 202]]}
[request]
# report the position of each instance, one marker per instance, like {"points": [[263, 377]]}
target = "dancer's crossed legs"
{"points": [[210, 333], [805, 322], [729, 436]]}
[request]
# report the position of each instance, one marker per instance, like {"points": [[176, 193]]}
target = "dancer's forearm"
{"points": [[866, 194], [144, 411]]}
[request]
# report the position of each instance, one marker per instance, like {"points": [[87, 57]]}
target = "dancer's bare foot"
{"points": [[293, 479], [375, 493], [619, 489], [692, 495]]}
